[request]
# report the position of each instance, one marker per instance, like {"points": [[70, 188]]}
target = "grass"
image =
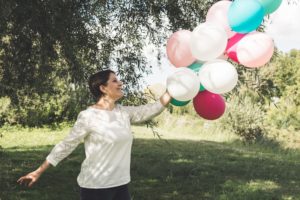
{"points": [[181, 166]]}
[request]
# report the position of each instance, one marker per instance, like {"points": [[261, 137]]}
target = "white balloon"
{"points": [[208, 41], [183, 85], [218, 76]]}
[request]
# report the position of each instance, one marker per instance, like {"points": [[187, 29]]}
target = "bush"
{"points": [[37, 110], [284, 115], [4, 105], [244, 118], [6, 111]]}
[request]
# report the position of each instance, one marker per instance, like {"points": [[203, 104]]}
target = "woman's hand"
{"points": [[29, 179], [32, 177], [165, 99]]}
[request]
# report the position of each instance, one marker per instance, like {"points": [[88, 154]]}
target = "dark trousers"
{"points": [[114, 193]]}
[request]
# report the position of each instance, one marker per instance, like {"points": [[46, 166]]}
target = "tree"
{"points": [[285, 74], [48, 48]]}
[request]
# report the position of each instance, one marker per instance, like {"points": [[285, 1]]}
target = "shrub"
{"points": [[284, 115], [244, 118]]}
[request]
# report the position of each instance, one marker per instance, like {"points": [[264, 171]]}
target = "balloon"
{"points": [[183, 85], [218, 13], [224, 56], [218, 76], [270, 5], [179, 103], [245, 15], [231, 46], [201, 88], [208, 41], [255, 49], [209, 105], [178, 49], [196, 66]]}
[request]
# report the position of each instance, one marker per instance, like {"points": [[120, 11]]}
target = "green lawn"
{"points": [[173, 168]]}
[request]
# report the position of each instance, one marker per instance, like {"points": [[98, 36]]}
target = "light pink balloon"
{"points": [[232, 45], [217, 14], [178, 49], [255, 49]]}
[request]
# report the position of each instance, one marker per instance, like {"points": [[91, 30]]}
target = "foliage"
{"points": [[48, 47], [285, 73], [4, 106], [244, 118]]}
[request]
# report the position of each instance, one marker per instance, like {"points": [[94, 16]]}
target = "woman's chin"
{"points": [[120, 96]]}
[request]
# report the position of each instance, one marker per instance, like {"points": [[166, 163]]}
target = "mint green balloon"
{"points": [[179, 103], [270, 5], [195, 66], [201, 88]]}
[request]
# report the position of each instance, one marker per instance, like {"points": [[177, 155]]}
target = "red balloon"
{"points": [[232, 45], [209, 105]]}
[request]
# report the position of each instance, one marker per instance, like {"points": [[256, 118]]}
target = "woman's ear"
{"points": [[102, 88]]}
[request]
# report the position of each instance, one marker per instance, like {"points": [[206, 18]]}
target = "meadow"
{"points": [[182, 164]]}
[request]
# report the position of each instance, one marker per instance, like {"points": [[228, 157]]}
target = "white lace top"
{"points": [[107, 140]]}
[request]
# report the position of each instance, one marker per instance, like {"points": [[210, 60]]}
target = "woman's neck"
{"points": [[105, 103]]}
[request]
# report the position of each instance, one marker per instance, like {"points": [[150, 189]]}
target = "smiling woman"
{"points": [[105, 129]]}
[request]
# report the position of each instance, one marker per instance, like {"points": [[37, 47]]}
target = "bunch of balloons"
{"points": [[202, 55]]}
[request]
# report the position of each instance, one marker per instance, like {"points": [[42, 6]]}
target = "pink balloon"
{"points": [[255, 49], [178, 49], [209, 105], [232, 45], [217, 14]]}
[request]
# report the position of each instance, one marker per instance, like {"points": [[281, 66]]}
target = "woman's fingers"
{"points": [[25, 180], [20, 180], [31, 183], [29, 179]]}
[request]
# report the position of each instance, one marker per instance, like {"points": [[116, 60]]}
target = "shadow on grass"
{"points": [[178, 170]]}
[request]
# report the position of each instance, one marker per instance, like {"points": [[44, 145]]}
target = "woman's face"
{"points": [[113, 89]]}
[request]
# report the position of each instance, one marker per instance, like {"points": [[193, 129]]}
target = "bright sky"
{"points": [[283, 26]]}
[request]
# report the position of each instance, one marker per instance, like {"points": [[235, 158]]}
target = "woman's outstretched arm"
{"points": [[139, 114], [61, 150]]}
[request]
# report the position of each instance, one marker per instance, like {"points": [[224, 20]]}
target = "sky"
{"points": [[283, 26]]}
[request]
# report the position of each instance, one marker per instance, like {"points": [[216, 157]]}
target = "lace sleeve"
{"points": [[70, 142], [143, 113]]}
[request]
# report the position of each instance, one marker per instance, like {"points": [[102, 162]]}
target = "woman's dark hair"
{"points": [[97, 79]]}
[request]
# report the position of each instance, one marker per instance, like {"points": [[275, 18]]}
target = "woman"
{"points": [[105, 129]]}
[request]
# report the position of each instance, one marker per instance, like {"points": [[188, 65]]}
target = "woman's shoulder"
{"points": [[85, 113]]}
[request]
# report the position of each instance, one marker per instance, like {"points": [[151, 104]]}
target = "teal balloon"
{"points": [[195, 66], [179, 103], [270, 5], [245, 15], [201, 88]]}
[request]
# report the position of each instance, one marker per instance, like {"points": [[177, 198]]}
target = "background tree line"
{"points": [[48, 48]]}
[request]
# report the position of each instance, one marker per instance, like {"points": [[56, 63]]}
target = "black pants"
{"points": [[114, 193]]}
